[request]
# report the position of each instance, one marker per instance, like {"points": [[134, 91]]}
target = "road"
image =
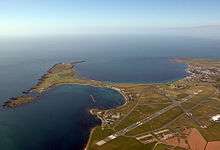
{"points": [[145, 120]]}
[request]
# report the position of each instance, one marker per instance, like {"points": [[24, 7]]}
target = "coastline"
{"points": [[89, 140], [93, 83], [91, 112], [179, 60]]}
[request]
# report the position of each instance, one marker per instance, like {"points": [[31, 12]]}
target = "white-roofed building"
{"points": [[216, 118]]}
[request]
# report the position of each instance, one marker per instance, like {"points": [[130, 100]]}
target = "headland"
{"points": [[167, 115]]}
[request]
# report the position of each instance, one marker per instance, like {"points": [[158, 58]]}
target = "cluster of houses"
{"points": [[216, 118], [156, 136], [204, 74], [110, 117], [191, 139]]}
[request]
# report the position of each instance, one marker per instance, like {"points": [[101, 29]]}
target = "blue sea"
{"points": [[60, 119]]}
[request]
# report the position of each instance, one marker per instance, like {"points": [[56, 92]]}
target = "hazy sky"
{"points": [[82, 16]]}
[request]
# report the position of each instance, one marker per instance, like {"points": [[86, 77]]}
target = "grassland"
{"points": [[59, 74], [197, 98], [191, 103], [17, 101], [157, 123], [122, 143]]}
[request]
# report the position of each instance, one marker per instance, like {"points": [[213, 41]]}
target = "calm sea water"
{"points": [[60, 120], [143, 69]]}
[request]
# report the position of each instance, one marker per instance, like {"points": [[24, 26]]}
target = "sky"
{"points": [[19, 17]]}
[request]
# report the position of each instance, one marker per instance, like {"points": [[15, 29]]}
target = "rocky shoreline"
{"points": [[34, 92], [64, 73]]}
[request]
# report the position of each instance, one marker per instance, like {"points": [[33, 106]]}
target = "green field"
{"points": [[157, 122]]}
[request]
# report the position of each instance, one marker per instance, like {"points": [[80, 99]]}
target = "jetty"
{"points": [[92, 98]]}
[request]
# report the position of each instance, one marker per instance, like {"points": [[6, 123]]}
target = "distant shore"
{"points": [[63, 74]]}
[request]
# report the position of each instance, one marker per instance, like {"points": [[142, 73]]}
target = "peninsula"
{"points": [[176, 115]]}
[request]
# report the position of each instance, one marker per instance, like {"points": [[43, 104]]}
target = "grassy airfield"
{"points": [[199, 101], [152, 113]]}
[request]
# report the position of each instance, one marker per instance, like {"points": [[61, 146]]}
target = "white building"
{"points": [[216, 117]]}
